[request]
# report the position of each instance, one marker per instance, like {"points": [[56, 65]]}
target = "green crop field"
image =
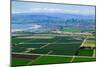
{"points": [[20, 61], [18, 49], [84, 59], [26, 45], [71, 30], [23, 47], [63, 49], [85, 52], [32, 40], [51, 60]]}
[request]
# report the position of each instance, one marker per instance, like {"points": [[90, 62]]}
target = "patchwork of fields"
{"points": [[55, 49]]}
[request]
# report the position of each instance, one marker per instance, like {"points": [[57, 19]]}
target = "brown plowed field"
{"points": [[24, 56]]}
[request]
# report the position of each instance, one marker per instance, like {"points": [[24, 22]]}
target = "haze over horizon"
{"points": [[33, 7]]}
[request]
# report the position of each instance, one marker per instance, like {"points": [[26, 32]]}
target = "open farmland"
{"points": [[48, 59], [20, 61], [59, 45], [71, 30], [90, 42], [58, 49], [64, 49], [85, 52], [84, 59], [51, 60]]}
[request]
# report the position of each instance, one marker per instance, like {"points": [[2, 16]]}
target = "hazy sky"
{"points": [[27, 7]]}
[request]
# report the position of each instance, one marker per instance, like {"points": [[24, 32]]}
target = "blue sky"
{"points": [[27, 7]]}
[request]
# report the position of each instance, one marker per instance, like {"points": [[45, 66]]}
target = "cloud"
{"points": [[49, 10], [45, 10], [53, 10]]}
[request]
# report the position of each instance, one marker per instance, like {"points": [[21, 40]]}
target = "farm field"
{"points": [[59, 45], [71, 30], [20, 61], [90, 42], [64, 49], [84, 59], [85, 52], [50, 59], [57, 59]]}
